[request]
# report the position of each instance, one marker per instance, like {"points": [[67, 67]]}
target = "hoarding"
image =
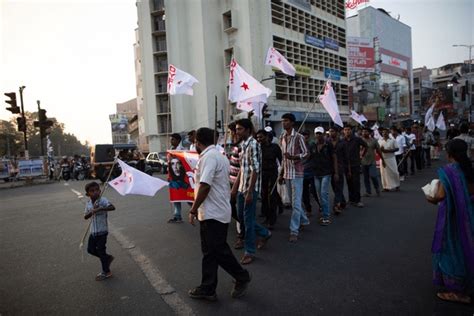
{"points": [[360, 54]]}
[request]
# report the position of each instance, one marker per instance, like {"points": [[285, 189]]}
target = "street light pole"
{"points": [[470, 73]]}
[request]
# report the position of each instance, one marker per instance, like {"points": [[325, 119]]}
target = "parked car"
{"points": [[158, 161]]}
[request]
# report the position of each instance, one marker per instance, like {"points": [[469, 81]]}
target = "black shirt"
{"points": [[321, 160], [270, 154], [352, 150]]}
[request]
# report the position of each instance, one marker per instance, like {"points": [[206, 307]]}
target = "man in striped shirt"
{"points": [[294, 151], [246, 189]]}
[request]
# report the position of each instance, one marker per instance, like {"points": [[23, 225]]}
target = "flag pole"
{"points": [[105, 186], [215, 119]]}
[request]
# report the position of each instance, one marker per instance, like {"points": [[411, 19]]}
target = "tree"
{"points": [[11, 141]]}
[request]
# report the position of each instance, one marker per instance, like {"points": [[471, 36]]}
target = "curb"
{"points": [[25, 183]]}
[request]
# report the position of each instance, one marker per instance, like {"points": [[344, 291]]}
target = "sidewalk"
{"points": [[24, 182]]}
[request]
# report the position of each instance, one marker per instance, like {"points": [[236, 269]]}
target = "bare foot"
{"points": [[454, 297]]}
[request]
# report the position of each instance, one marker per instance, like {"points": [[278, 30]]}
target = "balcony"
{"points": [[158, 5]]}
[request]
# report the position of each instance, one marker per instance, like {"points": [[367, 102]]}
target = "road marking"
{"points": [[79, 194], [154, 276]]}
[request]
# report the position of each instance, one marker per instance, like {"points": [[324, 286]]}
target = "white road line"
{"points": [[79, 194], [154, 276]]}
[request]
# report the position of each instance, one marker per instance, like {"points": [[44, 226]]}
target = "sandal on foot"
{"points": [[247, 259], [453, 297]]}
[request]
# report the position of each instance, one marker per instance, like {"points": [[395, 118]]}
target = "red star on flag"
{"points": [[245, 86], [116, 183]]}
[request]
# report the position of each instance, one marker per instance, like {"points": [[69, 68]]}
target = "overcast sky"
{"points": [[77, 56]]}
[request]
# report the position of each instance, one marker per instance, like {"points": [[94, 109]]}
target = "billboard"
{"points": [[360, 54], [352, 6]]}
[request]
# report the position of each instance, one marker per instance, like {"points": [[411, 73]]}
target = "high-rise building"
{"points": [[388, 89], [119, 121], [422, 90], [201, 36]]}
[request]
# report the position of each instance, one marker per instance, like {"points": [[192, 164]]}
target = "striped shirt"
{"points": [[294, 145], [234, 160], [99, 220], [250, 157]]}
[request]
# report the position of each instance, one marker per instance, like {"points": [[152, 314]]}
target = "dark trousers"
{"points": [[419, 157], [370, 173], [269, 198], [216, 252], [412, 161], [338, 188], [96, 247], [309, 189], [353, 184], [402, 167], [426, 161]]}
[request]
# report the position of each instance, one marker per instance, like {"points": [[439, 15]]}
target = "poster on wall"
{"points": [[360, 54], [181, 166]]}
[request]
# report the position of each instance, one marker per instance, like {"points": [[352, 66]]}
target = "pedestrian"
{"points": [[175, 141], [418, 131], [354, 149], [452, 132], [401, 154], [292, 173], [309, 188], [388, 169], [271, 157], [428, 141], [464, 130], [233, 155], [97, 208], [212, 208], [411, 144], [246, 189], [192, 140], [369, 168], [324, 162], [338, 186], [453, 247]]}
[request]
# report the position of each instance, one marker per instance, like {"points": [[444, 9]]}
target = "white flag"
{"points": [[275, 59], [429, 114], [375, 127], [356, 117], [243, 86], [363, 118], [440, 123], [254, 104], [133, 181], [377, 134], [431, 124], [180, 82], [328, 100]]}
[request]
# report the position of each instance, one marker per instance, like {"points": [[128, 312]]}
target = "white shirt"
{"points": [[192, 147], [400, 140], [412, 138], [213, 169], [388, 144]]}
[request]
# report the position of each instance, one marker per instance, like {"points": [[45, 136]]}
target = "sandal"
{"points": [[247, 259], [453, 297], [102, 276]]}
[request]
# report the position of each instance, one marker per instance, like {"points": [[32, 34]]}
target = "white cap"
{"points": [[268, 129], [319, 129]]}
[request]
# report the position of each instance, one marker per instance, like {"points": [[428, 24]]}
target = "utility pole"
{"points": [[24, 120]]}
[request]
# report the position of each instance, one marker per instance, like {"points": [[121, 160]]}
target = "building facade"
{"points": [[422, 91], [201, 36], [387, 91], [119, 121]]}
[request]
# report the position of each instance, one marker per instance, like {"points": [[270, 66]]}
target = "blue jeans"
{"points": [[298, 216], [252, 228], [322, 187], [370, 173], [177, 210]]}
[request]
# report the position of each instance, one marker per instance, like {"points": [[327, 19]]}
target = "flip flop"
{"points": [[453, 297]]}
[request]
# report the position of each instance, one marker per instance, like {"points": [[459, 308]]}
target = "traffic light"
{"points": [[45, 128], [265, 112], [13, 107], [21, 124], [219, 124], [42, 115]]}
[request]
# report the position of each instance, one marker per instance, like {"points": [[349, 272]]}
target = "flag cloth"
{"points": [[328, 100], [181, 165], [133, 181], [431, 124], [251, 105], [180, 82], [429, 114], [356, 117], [376, 126], [275, 59], [243, 87], [363, 118], [440, 123]]}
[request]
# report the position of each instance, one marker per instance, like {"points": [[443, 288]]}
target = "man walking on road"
{"points": [[294, 152], [338, 186], [212, 208], [369, 169], [352, 146]]}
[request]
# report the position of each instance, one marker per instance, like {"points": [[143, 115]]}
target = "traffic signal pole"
{"points": [[24, 120], [41, 138]]}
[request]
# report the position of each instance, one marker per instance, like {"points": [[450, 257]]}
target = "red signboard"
{"points": [[361, 55]]}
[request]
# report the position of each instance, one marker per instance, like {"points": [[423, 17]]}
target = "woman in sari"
{"points": [[453, 241]]}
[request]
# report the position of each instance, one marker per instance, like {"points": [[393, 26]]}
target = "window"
{"points": [[228, 54], [416, 91], [160, 44], [416, 80]]}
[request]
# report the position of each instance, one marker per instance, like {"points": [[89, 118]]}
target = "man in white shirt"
{"points": [[212, 208], [400, 153], [412, 138], [464, 129]]}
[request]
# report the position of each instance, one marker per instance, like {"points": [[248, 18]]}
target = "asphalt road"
{"points": [[371, 261]]}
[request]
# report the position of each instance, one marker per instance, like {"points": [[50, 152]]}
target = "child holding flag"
{"points": [[97, 208]]}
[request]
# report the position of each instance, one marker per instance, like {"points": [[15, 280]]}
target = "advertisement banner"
{"points": [[332, 74], [394, 62], [314, 41], [352, 6], [331, 43], [361, 55], [181, 165]]}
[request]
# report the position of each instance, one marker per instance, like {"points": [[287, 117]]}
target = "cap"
{"points": [[268, 129], [319, 129]]}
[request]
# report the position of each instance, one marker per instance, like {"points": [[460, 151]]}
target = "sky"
{"points": [[76, 56]]}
